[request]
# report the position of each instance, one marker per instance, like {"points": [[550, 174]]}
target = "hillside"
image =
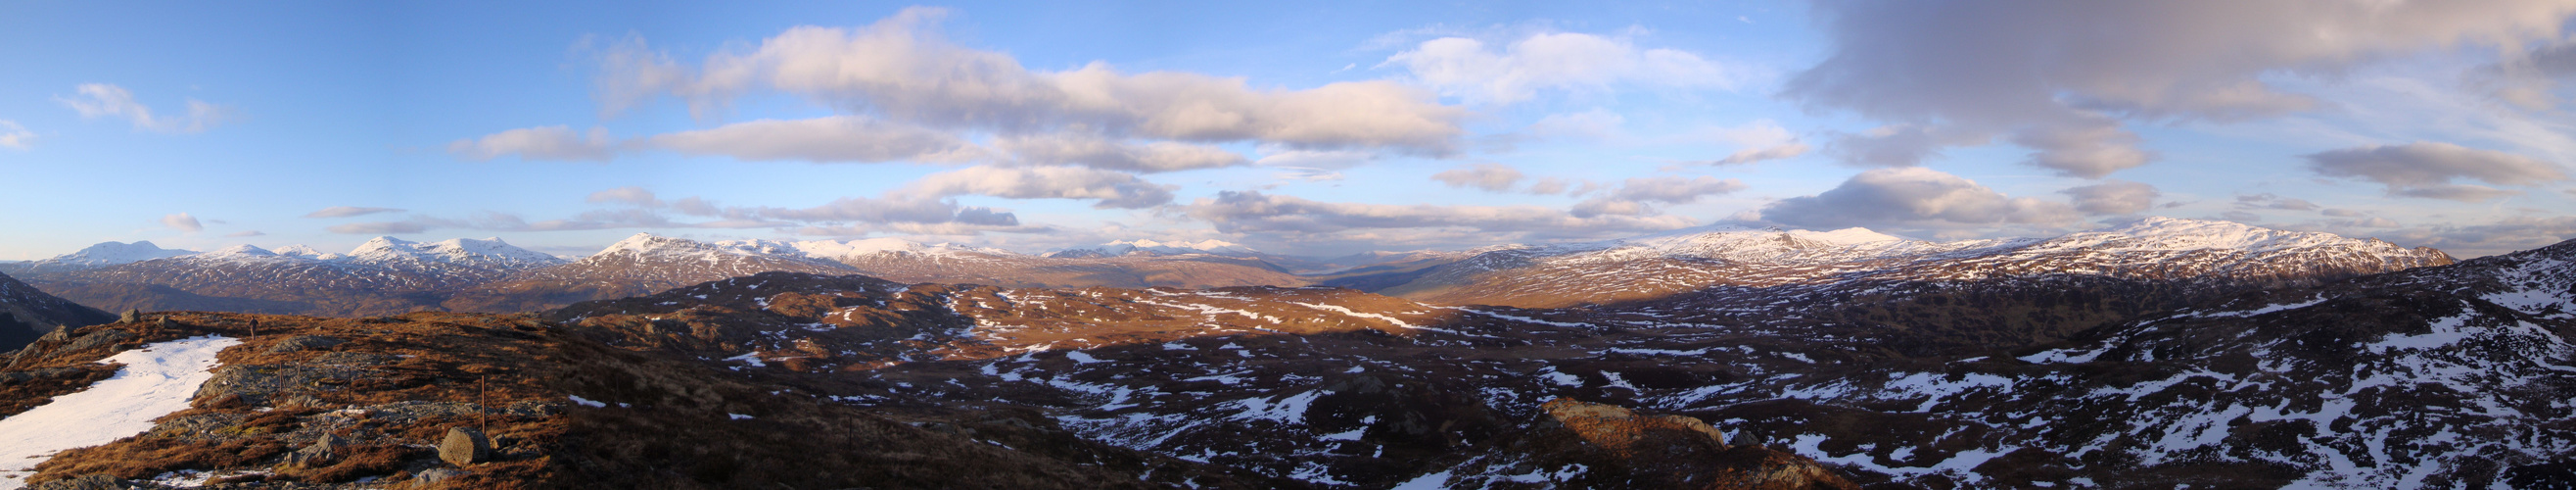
{"points": [[26, 313]]}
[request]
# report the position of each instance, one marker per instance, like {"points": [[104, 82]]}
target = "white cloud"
{"points": [[379, 228], [1469, 69], [2500, 236], [2428, 169], [823, 140], [1758, 141], [1488, 176], [104, 100], [1101, 153], [902, 70], [14, 136], [2269, 201], [1253, 211], [183, 222], [1915, 196], [603, 219], [893, 210], [1110, 189], [2113, 197], [1596, 125], [2060, 77], [628, 195], [1273, 156], [347, 211], [1561, 185], [1633, 195], [2370, 222], [557, 143], [1750, 155]]}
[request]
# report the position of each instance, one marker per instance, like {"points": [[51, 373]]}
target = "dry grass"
{"points": [[145, 457], [677, 434], [20, 396]]}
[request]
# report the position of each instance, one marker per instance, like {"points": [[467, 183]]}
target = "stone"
{"points": [[97, 339], [302, 342], [320, 453], [435, 475], [131, 316], [85, 482], [465, 446]]}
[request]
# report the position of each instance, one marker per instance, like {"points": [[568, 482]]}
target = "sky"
{"points": [[1302, 128]]}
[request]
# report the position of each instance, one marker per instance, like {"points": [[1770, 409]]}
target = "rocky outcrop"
{"points": [[27, 313], [1593, 445]]}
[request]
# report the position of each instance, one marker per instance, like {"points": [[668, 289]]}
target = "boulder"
{"points": [[322, 452], [465, 446]]}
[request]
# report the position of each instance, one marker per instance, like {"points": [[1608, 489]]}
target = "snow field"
{"points": [[157, 380]]}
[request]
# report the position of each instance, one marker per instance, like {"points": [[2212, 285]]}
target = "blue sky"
{"points": [[1316, 128]]}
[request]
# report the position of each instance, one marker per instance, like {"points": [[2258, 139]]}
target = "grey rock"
{"points": [[435, 475], [270, 384], [321, 452], [199, 426], [96, 339], [303, 342], [131, 316], [407, 411], [90, 482], [465, 446]]}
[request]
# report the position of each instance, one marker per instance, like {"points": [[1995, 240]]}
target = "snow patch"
{"points": [[157, 380]]}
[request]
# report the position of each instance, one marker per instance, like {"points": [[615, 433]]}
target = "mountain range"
{"points": [[388, 275], [2155, 354], [2442, 376]]}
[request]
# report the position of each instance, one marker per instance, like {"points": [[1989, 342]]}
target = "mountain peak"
{"points": [[488, 252], [2158, 232], [1148, 246], [879, 245], [650, 243], [1847, 236], [242, 250], [113, 253]]}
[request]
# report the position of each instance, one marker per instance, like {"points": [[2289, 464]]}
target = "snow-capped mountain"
{"points": [[914, 262], [640, 264], [96, 256], [384, 275], [2448, 376], [490, 254], [1150, 247], [864, 249], [2443, 376], [1664, 265]]}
